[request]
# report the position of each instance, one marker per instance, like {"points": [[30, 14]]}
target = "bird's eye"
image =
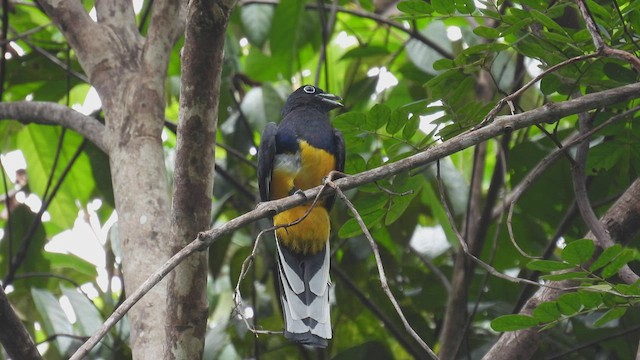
{"points": [[309, 89]]}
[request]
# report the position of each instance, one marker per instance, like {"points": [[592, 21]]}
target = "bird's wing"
{"points": [[266, 154], [340, 159], [340, 150]]}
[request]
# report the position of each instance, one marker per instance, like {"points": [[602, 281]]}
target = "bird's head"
{"points": [[309, 95]]}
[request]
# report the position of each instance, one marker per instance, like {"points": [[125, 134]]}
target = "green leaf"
{"points": [[350, 123], [39, 145], [610, 315], [415, 7], [578, 252], [465, 6], [54, 320], [487, 32], [397, 121], [365, 51], [513, 322], [548, 265], [377, 117], [351, 228], [410, 185], [565, 276], [547, 312], [355, 164], [607, 255], [605, 156], [444, 6], [88, 317], [411, 127], [256, 21], [590, 299], [284, 31], [617, 263], [546, 21], [569, 303]]}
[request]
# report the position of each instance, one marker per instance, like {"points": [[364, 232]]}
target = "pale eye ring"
{"points": [[309, 89]]}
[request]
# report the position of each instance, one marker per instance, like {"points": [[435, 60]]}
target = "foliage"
{"points": [[402, 95], [596, 295]]}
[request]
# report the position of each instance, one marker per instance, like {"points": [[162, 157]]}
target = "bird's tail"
{"points": [[304, 281]]}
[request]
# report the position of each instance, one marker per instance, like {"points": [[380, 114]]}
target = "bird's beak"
{"points": [[330, 99]]}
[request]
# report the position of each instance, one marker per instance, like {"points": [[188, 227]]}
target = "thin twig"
{"points": [[548, 160], [601, 46], [465, 247], [383, 278], [492, 114]]}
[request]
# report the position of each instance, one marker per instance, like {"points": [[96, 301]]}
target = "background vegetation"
{"points": [[414, 75]]}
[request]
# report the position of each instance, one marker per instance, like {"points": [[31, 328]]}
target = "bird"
{"points": [[294, 156]]}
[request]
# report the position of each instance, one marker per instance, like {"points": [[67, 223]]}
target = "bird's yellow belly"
{"points": [[308, 236]]}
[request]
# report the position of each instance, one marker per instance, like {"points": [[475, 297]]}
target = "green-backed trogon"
{"points": [[297, 155]]}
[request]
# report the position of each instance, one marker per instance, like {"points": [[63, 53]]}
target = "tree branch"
{"points": [[548, 113], [48, 113], [165, 27], [13, 335], [601, 46]]}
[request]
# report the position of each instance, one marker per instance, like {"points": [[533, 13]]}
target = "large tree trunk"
{"points": [[202, 57], [129, 72]]}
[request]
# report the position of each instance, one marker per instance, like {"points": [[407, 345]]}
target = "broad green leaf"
{"points": [[487, 32], [444, 6], [39, 145], [54, 320], [350, 123], [590, 299], [546, 21], [415, 7], [377, 117], [569, 303], [411, 127], [547, 312], [578, 252], [397, 121], [513, 322], [443, 64], [88, 317], [617, 263], [35, 261], [284, 31], [465, 6], [72, 266], [550, 84], [565, 276], [627, 289], [605, 156], [256, 21], [423, 56], [612, 314], [365, 51], [607, 255], [548, 265], [351, 228], [410, 185]]}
